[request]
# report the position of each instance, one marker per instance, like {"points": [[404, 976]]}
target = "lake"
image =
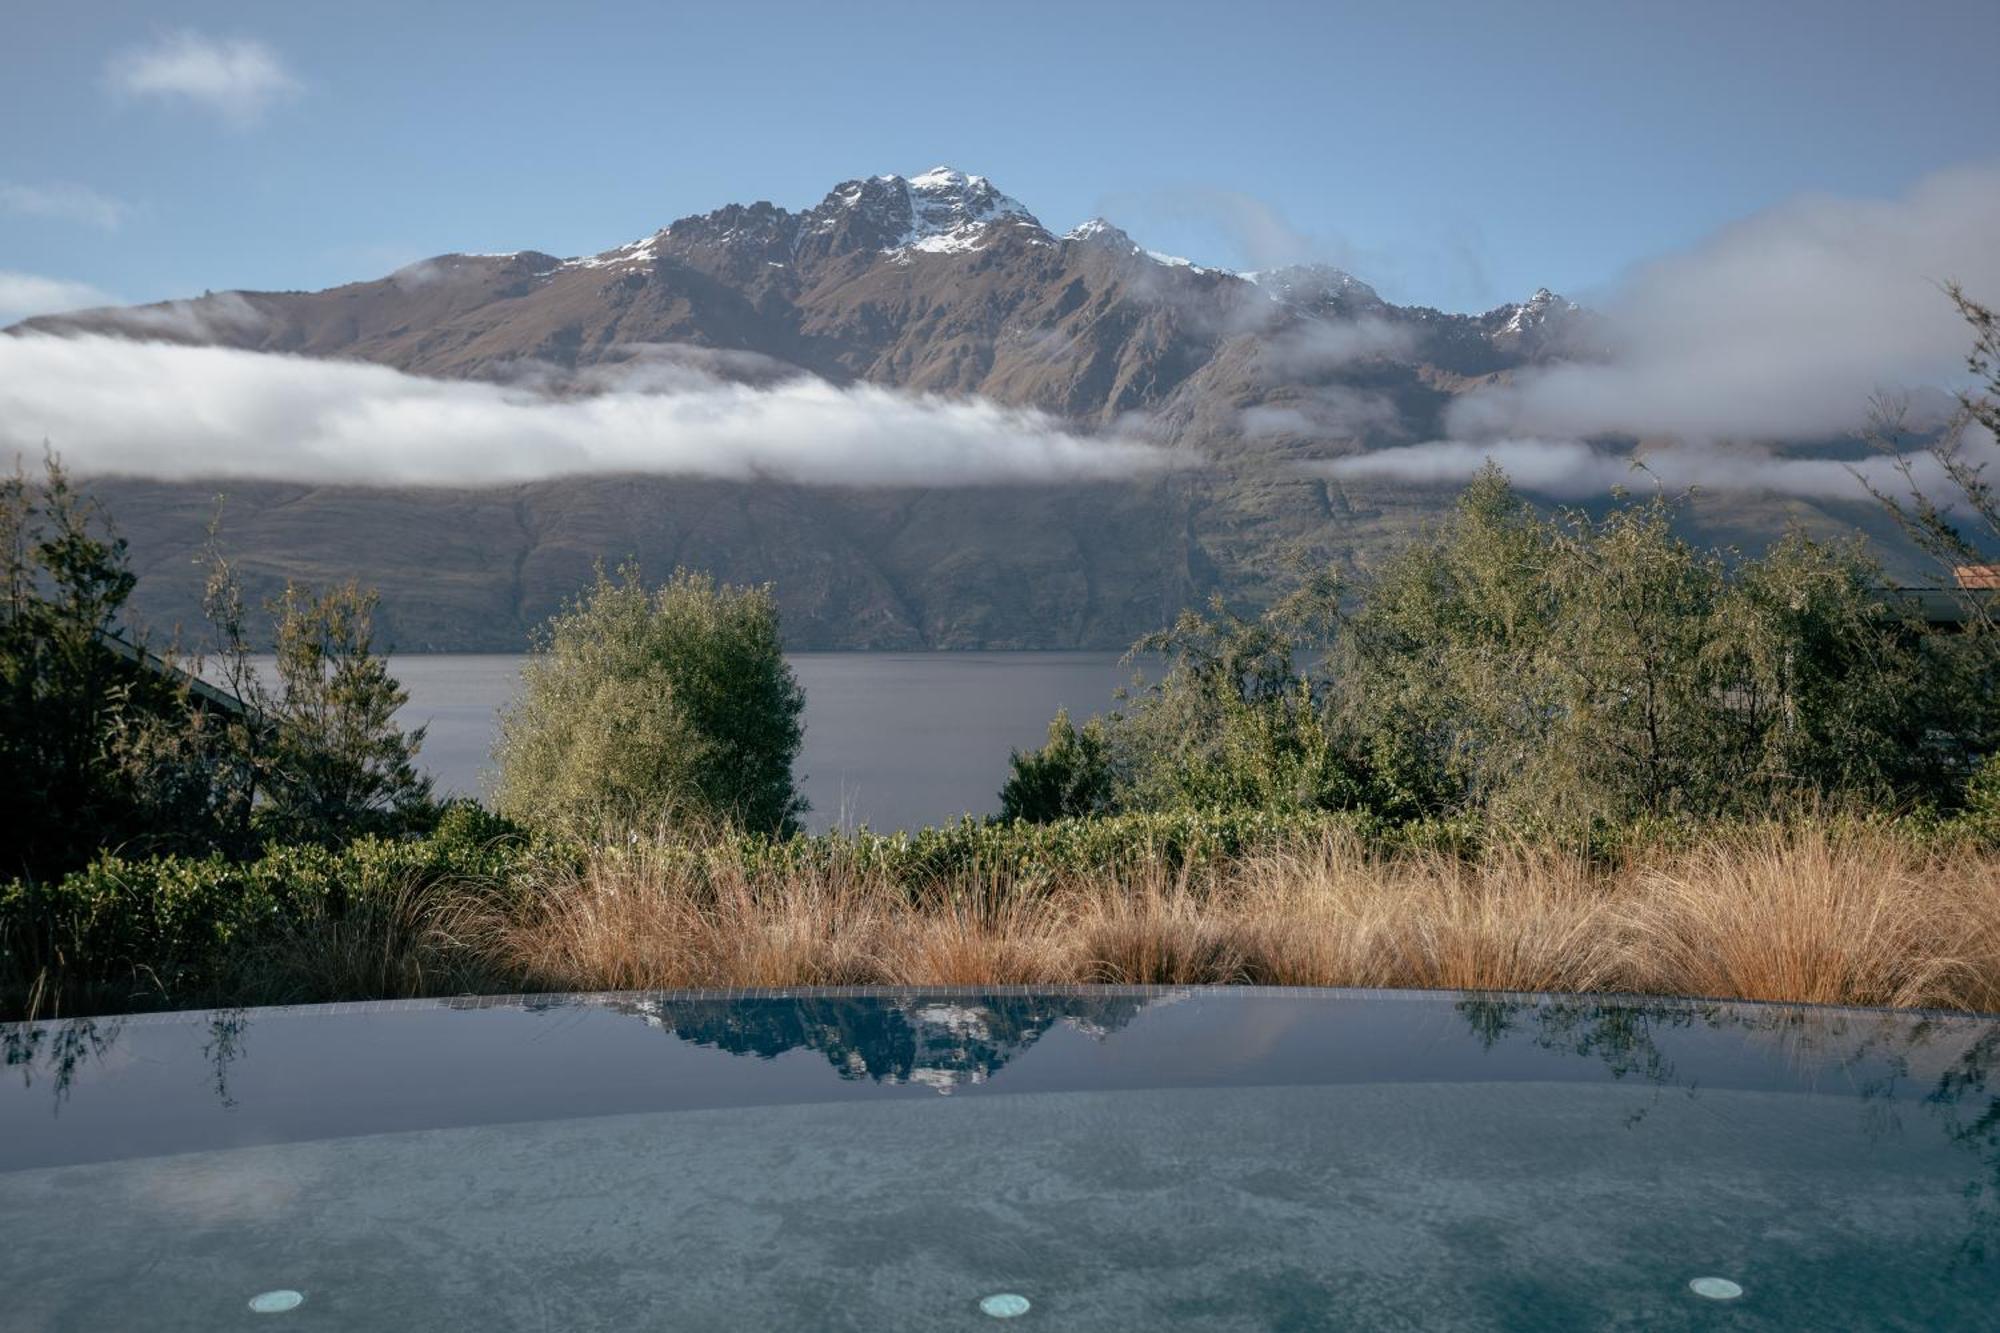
{"points": [[893, 740]]}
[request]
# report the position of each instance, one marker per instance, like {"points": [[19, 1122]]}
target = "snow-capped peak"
{"points": [[1536, 310], [940, 211], [1099, 232], [949, 210], [1097, 229]]}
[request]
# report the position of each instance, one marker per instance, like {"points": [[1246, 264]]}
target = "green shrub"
{"points": [[1577, 671], [135, 933], [642, 710], [1068, 778]]}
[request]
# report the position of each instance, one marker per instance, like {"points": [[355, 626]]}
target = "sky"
{"points": [[1452, 155]]}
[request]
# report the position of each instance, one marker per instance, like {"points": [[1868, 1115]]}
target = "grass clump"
{"points": [[1835, 912]]}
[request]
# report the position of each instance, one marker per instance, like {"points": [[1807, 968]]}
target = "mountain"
{"points": [[936, 283]]}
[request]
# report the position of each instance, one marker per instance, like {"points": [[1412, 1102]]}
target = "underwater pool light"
{"points": [[1004, 1305], [276, 1302], [1715, 1288]]}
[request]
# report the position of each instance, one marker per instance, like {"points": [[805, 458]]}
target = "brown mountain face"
{"points": [[938, 284]]}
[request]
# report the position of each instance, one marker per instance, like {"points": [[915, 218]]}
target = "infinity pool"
{"points": [[1087, 1159]]}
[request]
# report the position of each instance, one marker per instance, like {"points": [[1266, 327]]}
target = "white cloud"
{"points": [[1334, 412], [62, 201], [1572, 469], [25, 294], [156, 409], [1318, 346], [209, 319], [239, 78], [1778, 328]]}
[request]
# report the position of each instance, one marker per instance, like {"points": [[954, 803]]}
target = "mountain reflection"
{"points": [[936, 1041]]}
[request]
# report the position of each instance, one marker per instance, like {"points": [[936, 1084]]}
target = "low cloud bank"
{"points": [[1779, 327], [1776, 330], [1574, 470], [153, 409]]}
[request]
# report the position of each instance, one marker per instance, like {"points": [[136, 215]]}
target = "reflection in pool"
{"points": [[1106, 1158]]}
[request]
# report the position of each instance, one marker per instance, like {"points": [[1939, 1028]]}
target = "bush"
{"points": [[104, 744], [1569, 672], [1069, 777], [644, 709], [133, 933], [335, 765]]}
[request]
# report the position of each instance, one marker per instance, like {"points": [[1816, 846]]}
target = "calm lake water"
{"points": [[893, 740]]}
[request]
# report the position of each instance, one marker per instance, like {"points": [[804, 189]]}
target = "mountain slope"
{"points": [[937, 283]]}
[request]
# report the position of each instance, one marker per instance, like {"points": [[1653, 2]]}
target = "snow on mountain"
{"points": [[941, 211], [1536, 311], [949, 211], [1101, 232], [1313, 284], [640, 251], [1097, 231]]}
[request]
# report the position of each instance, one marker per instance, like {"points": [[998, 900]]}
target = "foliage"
{"points": [[336, 766], [1938, 525], [95, 749], [1069, 777], [643, 709], [1569, 672], [1600, 667], [105, 743], [132, 932]]}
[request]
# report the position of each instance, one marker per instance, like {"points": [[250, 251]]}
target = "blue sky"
{"points": [[1456, 155]]}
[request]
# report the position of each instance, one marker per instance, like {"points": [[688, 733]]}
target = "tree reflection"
{"points": [[939, 1041], [1873, 1051], [56, 1051], [222, 1049]]}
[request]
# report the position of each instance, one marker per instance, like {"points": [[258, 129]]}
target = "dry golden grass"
{"points": [[1796, 915]]}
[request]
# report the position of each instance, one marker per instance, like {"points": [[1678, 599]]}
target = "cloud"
{"points": [[170, 411], [211, 318], [1253, 232], [1317, 346], [1572, 469], [62, 201], [1775, 329], [238, 78], [26, 294], [1334, 412]]}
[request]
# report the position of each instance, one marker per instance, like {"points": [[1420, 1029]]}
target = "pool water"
{"points": [[1084, 1159]]}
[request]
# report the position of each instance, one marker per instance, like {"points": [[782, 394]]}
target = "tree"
{"points": [[64, 691], [106, 743], [334, 764], [1069, 777], [642, 708], [1447, 669], [1959, 454], [1560, 670]]}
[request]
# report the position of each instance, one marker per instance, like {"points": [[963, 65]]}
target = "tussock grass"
{"points": [[401, 943], [1804, 914], [1809, 911]]}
